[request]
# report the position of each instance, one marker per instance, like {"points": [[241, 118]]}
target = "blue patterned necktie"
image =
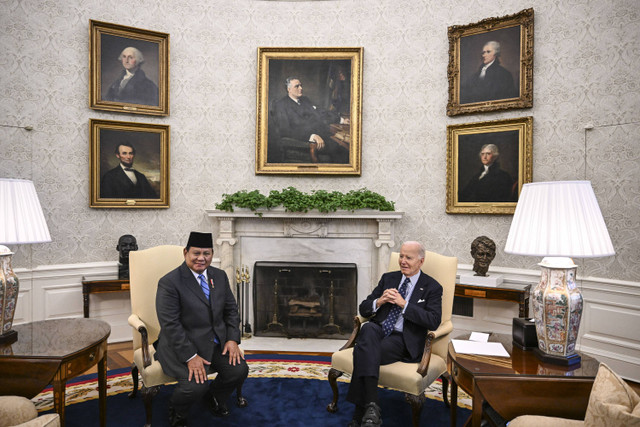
{"points": [[390, 322], [204, 285]]}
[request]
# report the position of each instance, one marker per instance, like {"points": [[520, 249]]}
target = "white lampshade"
{"points": [[558, 219], [21, 217]]}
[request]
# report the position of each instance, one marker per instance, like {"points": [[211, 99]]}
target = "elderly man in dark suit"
{"points": [[132, 86], [404, 306], [124, 182], [199, 332], [296, 117]]}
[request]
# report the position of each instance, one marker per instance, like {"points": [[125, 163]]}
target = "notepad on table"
{"points": [[479, 348]]}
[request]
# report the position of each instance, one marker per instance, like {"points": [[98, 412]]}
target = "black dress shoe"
{"points": [[372, 416], [218, 408], [176, 419]]}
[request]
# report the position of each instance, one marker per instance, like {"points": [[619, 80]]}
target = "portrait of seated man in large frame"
{"points": [[309, 111]]}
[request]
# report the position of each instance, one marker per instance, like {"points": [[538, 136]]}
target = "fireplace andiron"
{"points": [[242, 291], [275, 326]]}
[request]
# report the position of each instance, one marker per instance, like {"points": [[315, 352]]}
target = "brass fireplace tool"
{"points": [[275, 326], [331, 326], [242, 290]]}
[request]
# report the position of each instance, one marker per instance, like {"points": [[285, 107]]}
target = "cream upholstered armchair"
{"points": [[146, 267], [411, 378], [18, 411]]}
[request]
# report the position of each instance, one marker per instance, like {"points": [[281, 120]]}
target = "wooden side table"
{"points": [[515, 373], [498, 293], [101, 287], [52, 352]]}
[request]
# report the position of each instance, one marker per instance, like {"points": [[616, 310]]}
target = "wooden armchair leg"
{"points": [[333, 376], [241, 401], [147, 397], [416, 406], [445, 388], [134, 378]]}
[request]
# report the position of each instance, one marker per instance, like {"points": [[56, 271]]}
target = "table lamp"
{"points": [[558, 220], [21, 221]]}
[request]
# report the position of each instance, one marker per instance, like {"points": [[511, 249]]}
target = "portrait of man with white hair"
{"points": [[132, 85], [491, 81]]}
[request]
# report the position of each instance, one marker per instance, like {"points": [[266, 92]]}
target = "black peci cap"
{"points": [[200, 240]]}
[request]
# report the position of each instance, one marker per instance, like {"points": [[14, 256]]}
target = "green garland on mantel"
{"points": [[294, 200]]}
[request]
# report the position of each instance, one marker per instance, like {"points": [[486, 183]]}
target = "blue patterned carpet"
{"points": [[283, 390]]}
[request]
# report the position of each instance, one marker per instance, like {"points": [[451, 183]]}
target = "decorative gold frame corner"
{"points": [[524, 128], [268, 54]]}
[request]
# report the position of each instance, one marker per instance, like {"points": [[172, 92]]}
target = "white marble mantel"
{"points": [[363, 237]]}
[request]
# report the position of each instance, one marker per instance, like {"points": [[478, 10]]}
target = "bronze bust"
{"points": [[483, 251], [126, 244]]}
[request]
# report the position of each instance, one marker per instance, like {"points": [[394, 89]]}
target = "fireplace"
{"points": [[304, 300], [363, 239]]}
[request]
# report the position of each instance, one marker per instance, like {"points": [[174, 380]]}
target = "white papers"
{"points": [[480, 348], [479, 337]]}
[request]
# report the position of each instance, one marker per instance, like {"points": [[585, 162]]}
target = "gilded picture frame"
{"points": [[309, 111], [129, 69], [487, 165], [129, 165], [491, 64]]}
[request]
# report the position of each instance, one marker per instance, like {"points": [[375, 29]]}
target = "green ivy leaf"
{"points": [[293, 200]]}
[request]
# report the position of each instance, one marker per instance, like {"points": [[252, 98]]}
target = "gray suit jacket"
{"points": [[188, 320]]}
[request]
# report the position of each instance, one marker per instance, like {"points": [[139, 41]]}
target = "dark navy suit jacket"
{"points": [[423, 311]]}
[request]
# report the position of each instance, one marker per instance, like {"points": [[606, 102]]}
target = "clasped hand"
{"points": [[393, 296]]}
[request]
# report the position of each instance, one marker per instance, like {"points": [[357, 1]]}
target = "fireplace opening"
{"points": [[304, 300]]}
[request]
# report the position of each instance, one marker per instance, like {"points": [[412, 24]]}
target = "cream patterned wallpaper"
{"points": [[587, 57]]}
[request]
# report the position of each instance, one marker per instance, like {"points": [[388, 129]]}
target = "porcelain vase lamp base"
{"points": [[8, 297], [557, 309]]}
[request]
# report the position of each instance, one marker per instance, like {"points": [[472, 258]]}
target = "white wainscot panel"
{"points": [[114, 308], [613, 322], [62, 301], [609, 330], [23, 307]]}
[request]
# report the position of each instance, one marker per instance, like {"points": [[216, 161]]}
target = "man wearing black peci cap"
{"points": [[199, 332]]}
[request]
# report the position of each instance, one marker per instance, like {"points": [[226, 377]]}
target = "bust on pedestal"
{"points": [[483, 251]]}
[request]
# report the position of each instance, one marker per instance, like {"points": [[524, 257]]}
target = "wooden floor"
{"points": [[120, 355]]}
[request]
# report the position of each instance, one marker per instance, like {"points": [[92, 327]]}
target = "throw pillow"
{"points": [[612, 402]]}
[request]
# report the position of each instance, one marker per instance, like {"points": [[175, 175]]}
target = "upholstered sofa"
{"points": [[20, 411]]}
